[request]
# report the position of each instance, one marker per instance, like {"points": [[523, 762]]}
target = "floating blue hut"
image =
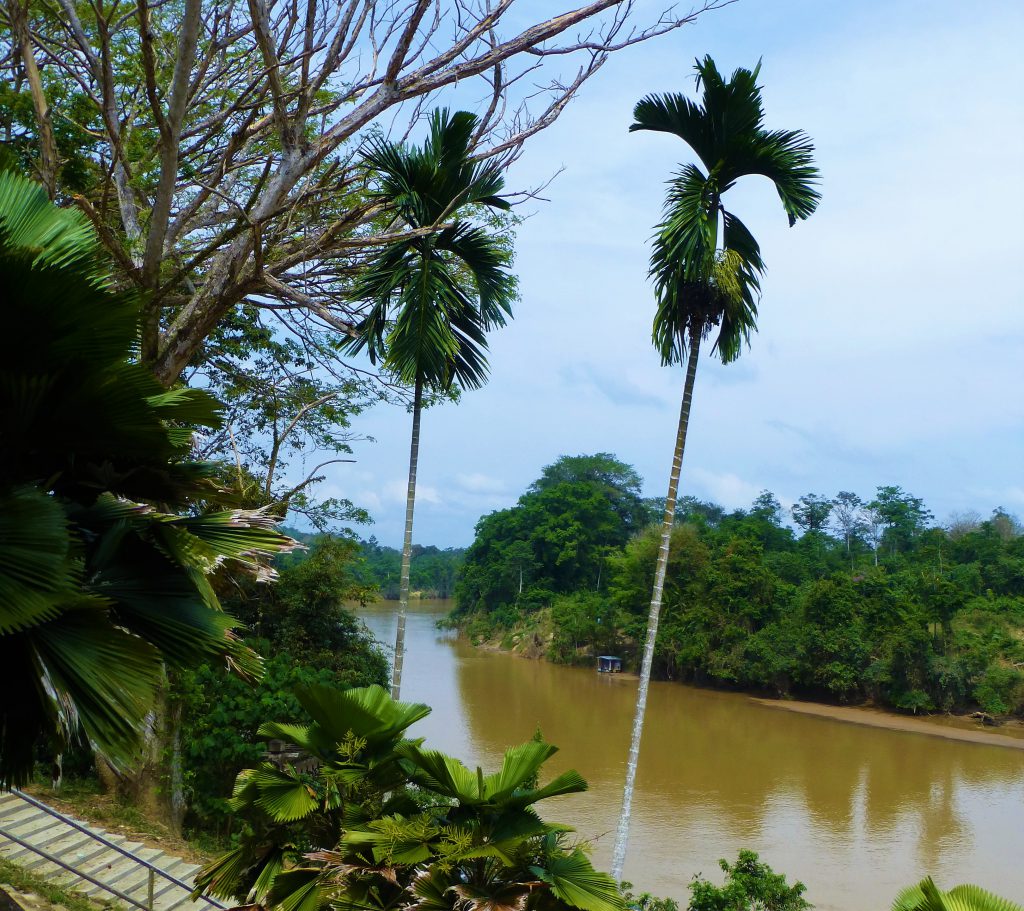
{"points": [[609, 664]]}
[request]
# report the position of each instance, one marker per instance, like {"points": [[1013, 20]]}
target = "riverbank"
{"points": [[822, 801], [1010, 734], [950, 727]]}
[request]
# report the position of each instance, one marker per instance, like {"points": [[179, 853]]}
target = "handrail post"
{"points": [[154, 871]]}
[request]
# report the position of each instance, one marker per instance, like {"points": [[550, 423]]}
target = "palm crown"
{"points": [[700, 285], [425, 321]]}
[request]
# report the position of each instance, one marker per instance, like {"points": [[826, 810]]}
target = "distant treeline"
{"points": [[432, 573], [866, 598]]}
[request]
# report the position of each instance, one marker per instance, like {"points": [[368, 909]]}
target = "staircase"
{"points": [[103, 865]]}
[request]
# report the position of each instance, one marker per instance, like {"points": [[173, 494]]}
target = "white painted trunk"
{"points": [[622, 832], [410, 504]]}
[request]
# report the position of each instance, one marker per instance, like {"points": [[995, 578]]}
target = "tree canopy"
{"points": [[751, 602], [557, 537]]}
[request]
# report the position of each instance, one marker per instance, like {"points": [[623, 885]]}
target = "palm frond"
{"points": [[974, 898], [676, 114], [101, 677], [785, 157], [926, 896], [366, 712], [36, 573], [518, 768], [52, 236], [570, 782], [444, 774], [424, 292], [682, 261], [102, 580], [574, 880], [432, 890]]}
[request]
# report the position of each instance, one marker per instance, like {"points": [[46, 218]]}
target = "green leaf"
{"points": [[35, 570], [573, 879]]}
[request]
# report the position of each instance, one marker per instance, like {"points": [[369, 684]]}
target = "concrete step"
{"points": [[79, 849], [58, 842]]}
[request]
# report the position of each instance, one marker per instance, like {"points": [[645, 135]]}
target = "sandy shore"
{"points": [[949, 727]]}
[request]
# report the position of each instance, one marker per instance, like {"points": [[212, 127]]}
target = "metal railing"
{"points": [[154, 871]]}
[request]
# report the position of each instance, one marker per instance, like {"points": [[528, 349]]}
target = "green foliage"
{"points": [[433, 571], [583, 623], [811, 512], [557, 539], [904, 516], [434, 295], [105, 544], [221, 715], [936, 626], [645, 901], [926, 896], [749, 886], [300, 623], [73, 132], [304, 613], [383, 822]]}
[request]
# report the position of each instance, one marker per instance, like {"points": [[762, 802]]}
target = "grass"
{"points": [[83, 798], [26, 881]]}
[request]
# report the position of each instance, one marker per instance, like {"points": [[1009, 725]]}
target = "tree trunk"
{"points": [[410, 504], [49, 159], [177, 805], [622, 833]]}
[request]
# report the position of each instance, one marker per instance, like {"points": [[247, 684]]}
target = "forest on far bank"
{"points": [[377, 568], [862, 598]]}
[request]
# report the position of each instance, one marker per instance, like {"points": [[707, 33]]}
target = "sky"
{"points": [[890, 347]]}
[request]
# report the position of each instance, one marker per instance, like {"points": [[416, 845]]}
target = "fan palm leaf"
{"points": [[468, 839], [103, 557], [573, 879], [926, 896]]}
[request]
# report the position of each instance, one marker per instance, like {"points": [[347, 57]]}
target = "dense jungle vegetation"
{"points": [[861, 600], [378, 568]]}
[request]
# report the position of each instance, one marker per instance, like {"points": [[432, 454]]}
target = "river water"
{"points": [[854, 812]]}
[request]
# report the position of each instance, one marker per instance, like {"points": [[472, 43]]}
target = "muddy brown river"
{"points": [[854, 812]]}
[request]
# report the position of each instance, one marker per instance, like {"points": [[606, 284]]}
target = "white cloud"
{"points": [[476, 482], [892, 323], [396, 491], [724, 488]]}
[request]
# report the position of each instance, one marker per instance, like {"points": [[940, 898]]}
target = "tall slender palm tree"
{"points": [[706, 280], [434, 292]]}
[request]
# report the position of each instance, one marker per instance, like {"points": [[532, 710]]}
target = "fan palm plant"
{"points": [[435, 291], [926, 896], [707, 281], [384, 823], [104, 551]]}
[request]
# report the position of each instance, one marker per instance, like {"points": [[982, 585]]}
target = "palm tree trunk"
{"points": [[410, 504], [622, 833]]}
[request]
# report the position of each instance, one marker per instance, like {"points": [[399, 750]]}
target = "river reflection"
{"points": [[855, 812]]}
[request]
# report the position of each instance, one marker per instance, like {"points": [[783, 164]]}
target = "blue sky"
{"points": [[891, 342]]}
